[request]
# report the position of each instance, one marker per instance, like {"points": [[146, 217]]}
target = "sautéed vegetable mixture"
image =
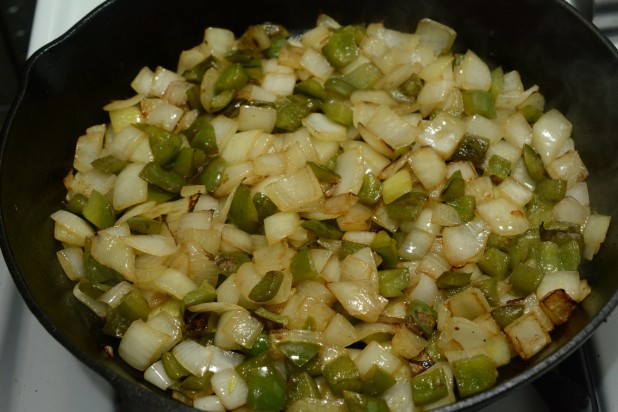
{"points": [[354, 218]]}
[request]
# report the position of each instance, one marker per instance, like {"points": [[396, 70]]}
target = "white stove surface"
{"points": [[41, 375]]}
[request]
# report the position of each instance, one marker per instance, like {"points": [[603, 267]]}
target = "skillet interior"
{"points": [[67, 83]]}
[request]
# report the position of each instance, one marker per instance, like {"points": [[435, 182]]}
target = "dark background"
{"points": [[15, 23]]}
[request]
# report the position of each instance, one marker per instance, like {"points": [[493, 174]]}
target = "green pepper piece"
{"points": [[275, 45], [386, 247], [494, 263], [99, 211], [183, 163], [357, 402], [341, 48], [324, 174], [157, 195], [454, 188], [338, 87], [479, 102], [497, 82], [196, 73], [134, 306], [533, 107], [464, 206], [561, 233], [450, 280], [471, 148], [370, 191], [506, 314], [475, 374], [273, 317], [433, 349], [429, 387], [489, 287], [570, 255], [521, 246], [341, 374], [407, 207], [302, 266], [299, 353], [412, 87], [144, 225], [204, 293], [267, 287], [163, 144], [311, 88], [259, 347], [76, 203], [338, 111], [109, 164], [322, 229], [234, 77], [229, 262], [377, 380], [292, 109], [195, 383], [551, 189], [498, 168], [201, 135], [393, 281], [363, 77], [167, 180], [173, 368], [213, 173], [525, 279], [264, 206], [423, 316], [547, 256], [499, 242], [267, 389], [539, 210], [534, 163], [349, 248], [96, 272], [243, 212], [301, 386]]}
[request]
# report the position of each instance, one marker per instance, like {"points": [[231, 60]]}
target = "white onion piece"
{"points": [[112, 251], [295, 192], [428, 166], [416, 244], [141, 345], [504, 217], [193, 357], [156, 245], [224, 359], [230, 387], [549, 133], [570, 210], [130, 188], [595, 232], [216, 307], [156, 375], [143, 81], [74, 229], [116, 293], [339, 332], [569, 281], [478, 125], [316, 64], [210, 403], [174, 283], [72, 261], [359, 299], [465, 243], [322, 128], [98, 307], [254, 117], [220, 41], [376, 354], [280, 225], [88, 149]]}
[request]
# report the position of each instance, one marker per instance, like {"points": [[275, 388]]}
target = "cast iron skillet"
{"points": [[66, 83]]}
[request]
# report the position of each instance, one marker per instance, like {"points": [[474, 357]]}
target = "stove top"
{"points": [[40, 374]]}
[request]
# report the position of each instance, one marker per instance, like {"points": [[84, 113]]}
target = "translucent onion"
{"points": [[193, 357], [210, 403], [116, 293], [156, 375], [98, 307], [230, 388], [71, 229], [72, 261], [465, 243], [141, 345]]}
